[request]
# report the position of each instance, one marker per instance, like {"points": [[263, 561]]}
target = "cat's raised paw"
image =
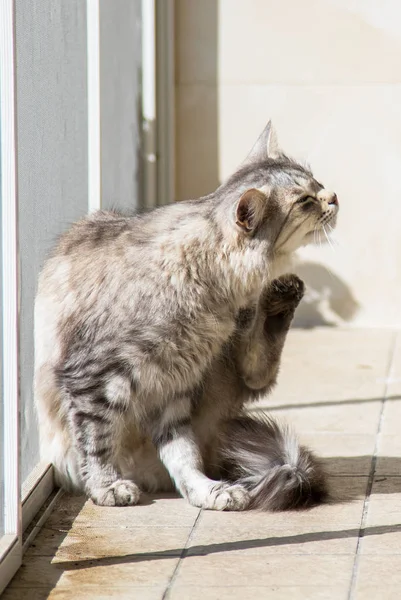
{"points": [[283, 294], [122, 492], [228, 497]]}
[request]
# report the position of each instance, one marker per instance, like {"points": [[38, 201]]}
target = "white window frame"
{"points": [[11, 542]]}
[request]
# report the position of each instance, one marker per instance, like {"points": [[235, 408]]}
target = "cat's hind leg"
{"points": [[95, 427], [180, 453]]}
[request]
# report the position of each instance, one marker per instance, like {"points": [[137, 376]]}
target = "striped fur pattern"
{"points": [[134, 314]]}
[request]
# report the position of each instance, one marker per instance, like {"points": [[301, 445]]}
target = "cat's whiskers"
{"points": [[328, 239], [332, 235], [317, 238]]}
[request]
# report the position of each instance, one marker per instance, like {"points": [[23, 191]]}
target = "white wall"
{"points": [[328, 73]]}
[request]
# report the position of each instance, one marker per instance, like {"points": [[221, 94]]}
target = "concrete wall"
{"points": [[328, 73]]}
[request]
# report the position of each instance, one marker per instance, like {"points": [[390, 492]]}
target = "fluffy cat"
{"points": [[134, 314]]}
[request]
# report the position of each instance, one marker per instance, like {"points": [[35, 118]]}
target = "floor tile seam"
{"points": [[390, 365], [174, 575]]}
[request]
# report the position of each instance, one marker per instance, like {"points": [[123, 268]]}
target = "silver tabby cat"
{"points": [[152, 332]]}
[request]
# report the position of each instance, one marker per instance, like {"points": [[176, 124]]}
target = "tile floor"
{"points": [[341, 389]]}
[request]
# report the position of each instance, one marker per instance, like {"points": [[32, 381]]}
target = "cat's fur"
{"points": [[133, 315], [257, 452]]}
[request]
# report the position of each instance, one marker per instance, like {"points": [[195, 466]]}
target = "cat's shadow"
{"points": [[328, 299]]}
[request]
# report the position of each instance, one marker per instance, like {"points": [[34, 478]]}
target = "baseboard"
{"points": [[35, 492]]}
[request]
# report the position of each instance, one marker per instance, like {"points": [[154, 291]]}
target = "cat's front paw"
{"points": [[122, 492], [224, 496], [283, 295]]}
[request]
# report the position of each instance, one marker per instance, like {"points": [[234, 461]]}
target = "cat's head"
{"points": [[277, 198]]}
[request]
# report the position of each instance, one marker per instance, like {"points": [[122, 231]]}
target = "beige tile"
{"points": [[180, 592], [353, 419], [394, 383], [156, 511], [382, 540], [84, 592], [41, 571], [267, 571], [392, 417], [342, 454], [92, 542], [385, 503], [389, 455], [379, 570], [382, 591], [243, 541], [332, 368]]}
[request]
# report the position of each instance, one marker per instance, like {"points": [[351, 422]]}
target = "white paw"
{"points": [[228, 497], [121, 493]]}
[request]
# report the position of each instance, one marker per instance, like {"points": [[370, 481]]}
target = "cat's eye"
{"points": [[304, 199]]}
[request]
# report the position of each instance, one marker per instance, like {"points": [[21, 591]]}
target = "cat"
{"points": [[132, 313], [258, 453]]}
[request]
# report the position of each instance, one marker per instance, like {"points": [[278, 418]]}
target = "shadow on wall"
{"points": [[197, 104], [328, 300]]}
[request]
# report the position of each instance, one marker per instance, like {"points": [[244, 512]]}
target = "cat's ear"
{"points": [[250, 210], [265, 147]]}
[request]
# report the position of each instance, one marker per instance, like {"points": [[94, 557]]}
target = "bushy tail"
{"points": [[268, 460]]}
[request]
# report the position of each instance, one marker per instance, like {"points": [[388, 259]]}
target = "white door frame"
{"points": [[11, 542]]}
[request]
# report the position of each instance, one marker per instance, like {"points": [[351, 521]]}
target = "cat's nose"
{"points": [[329, 197]]}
